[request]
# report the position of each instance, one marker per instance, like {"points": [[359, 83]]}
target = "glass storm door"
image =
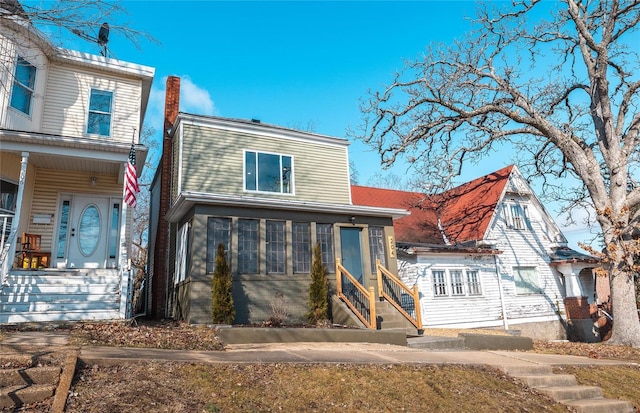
{"points": [[352, 252], [87, 232]]}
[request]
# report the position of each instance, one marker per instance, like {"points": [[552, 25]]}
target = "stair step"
{"points": [[15, 396], [548, 380], [569, 393], [598, 405], [110, 313], [527, 369], [28, 376]]}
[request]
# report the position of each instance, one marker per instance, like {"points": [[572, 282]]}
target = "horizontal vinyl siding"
{"points": [[213, 162], [483, 310], [67, 102], [50, 183]]}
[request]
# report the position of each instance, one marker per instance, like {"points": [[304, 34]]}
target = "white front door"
{"points": [[88, 233]]}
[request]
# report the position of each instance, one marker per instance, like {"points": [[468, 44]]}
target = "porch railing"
{"points": [[6, 260], [5, 229], [406, 300], [360, 300]]}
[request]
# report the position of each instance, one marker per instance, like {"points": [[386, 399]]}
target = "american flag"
{"points": [[131, 185]]}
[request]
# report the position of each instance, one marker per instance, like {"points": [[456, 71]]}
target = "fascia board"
{"points": [[189, 199]]}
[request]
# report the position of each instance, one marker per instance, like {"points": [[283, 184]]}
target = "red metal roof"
{"points": [[464, 211]]}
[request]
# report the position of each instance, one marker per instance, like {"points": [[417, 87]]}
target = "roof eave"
{"points": [[187, 200]]}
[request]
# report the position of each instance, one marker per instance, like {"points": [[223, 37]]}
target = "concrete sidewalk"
{"points": [[359, 353]]}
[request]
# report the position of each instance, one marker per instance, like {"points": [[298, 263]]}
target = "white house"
{"points": [[488, 254], [68, 122]]}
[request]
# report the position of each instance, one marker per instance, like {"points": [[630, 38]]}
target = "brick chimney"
{"points": [[160, 258]]}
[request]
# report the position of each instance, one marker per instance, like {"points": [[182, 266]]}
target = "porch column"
{"points": [[15, 224], [580, 324]]}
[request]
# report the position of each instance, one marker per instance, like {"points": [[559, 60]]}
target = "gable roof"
{"points": [[461, 214]]}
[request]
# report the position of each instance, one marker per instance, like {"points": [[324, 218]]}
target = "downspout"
{"points": [[502, 304]]}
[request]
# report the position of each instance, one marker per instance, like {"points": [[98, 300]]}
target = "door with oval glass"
{"points": [[87, 232]]}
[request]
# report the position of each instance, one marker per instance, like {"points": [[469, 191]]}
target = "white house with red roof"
{"points": [[488, 254]]}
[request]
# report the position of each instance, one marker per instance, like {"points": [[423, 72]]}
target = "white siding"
{"points": [[10, 48], [527, 248], [454, 311], [67, 102]]}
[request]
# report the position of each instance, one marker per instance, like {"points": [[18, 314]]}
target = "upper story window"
{"points": [[24, 81], [268, 172], [517, 216], [99, 119]]}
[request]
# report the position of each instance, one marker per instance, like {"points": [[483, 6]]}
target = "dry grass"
{"points": [[170, 387]]}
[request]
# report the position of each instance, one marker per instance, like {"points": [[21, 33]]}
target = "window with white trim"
{"points": [[268, 172], [455, 282], [182, 253], [517, 216], [100, 110], [8, 196], [24, 80], [526, 280]]}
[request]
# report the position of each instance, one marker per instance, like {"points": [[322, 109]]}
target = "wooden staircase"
{"points": [[60, 295]]}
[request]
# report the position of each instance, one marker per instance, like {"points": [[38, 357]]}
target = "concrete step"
{"points": [[436, 343], [600, 405], [28, 376], [569, 393], [16, 396], [527, 369], [548, 380]]}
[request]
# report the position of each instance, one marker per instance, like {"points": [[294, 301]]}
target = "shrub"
{"points": [[279, 312], [318, 290], [222, 308]]}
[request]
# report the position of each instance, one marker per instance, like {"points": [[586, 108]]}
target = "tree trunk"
{"points": [[626, 325]]}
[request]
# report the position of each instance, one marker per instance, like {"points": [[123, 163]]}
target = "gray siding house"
{"points": [[268, 194]]}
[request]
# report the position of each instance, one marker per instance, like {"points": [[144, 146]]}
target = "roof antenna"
{"points": [[103, 38]]}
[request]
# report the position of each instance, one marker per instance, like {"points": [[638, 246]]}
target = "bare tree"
{"points": [[78, 18], [563, 91]]}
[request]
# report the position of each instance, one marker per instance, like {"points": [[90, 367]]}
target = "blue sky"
{"points": [[299, 64]]}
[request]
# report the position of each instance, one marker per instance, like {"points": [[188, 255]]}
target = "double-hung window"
{"points": [[518, 216], [100, 111], [455, 282], [324, 233], [301, 243], [24, 80], [268, 172], [218, 232], [8, 196], [248, 243], [276, 257]]}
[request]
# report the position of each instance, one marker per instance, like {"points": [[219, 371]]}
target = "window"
{"points": [[518, 216], [24, 80], [439, 283], [62, 232], [8, 196], [376, 247], [182, 253], [276, 262], [456, 282], [301, 243], [115, 229], [99, 120], [473, 283], [218, 232], [267, 172], [526, 279], [248, 241], [324, 234]]}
